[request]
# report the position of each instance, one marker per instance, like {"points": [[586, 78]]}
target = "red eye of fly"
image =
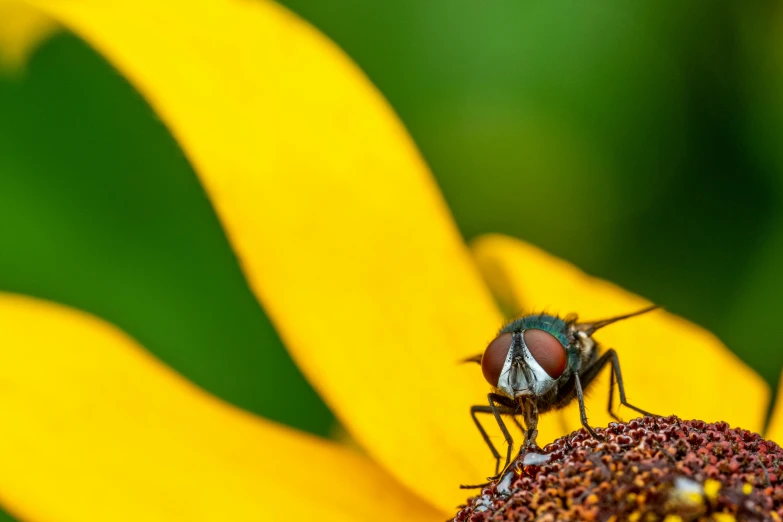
{"points": [[495, 357], [546, 350]]}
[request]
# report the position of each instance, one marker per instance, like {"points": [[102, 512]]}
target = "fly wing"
{"points": [[473, 359], [590, 327]]}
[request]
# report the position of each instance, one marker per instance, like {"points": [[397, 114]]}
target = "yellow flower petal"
{"points": [[335, 219], [775, 427], [21, 30], [94, 428], [670, 366]]}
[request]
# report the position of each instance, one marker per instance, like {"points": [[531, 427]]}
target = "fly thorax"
{"points": [[586, 346], [522, 375]]}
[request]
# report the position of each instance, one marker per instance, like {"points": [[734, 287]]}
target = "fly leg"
{"points": [[609, 408], [592, 372], [485, 409], [531, 421], [519, 424], [530, 414], [498, 405], [582, 413], [616, 373]]}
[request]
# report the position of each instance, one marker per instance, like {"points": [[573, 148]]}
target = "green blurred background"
{"points": [[641, 142]]}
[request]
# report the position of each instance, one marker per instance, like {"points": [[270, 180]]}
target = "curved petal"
{"points": [[670, 366], [338, 226], [775, 427], [21, 30], [94, 428]]}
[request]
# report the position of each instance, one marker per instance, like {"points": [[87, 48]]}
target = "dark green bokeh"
{"points": [[640, 141], [101, 211], [616, 136]]}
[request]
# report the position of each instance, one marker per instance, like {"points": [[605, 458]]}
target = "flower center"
{"points": [[650, 469]]}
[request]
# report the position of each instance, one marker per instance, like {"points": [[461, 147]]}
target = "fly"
{"points": [[539, 363]]}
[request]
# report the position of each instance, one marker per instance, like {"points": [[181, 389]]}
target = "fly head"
{"points": [[532, 353], [523, 363]]}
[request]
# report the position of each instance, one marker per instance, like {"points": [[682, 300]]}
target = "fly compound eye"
{"points": [[546, 350], [495, 357]]}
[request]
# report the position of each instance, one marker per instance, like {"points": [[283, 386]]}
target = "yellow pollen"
{"points": [[672, 518], [723, 517], [711, 488], [691, 499], [747, 488], [634, 517]]}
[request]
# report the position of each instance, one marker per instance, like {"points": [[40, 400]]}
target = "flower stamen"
{"points": [[649, 469]]}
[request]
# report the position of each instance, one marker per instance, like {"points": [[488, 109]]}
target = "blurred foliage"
{"points": [[639, 141], [102, 212]]}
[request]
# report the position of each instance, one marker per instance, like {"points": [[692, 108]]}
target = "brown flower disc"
{"points": [[649, 469]]}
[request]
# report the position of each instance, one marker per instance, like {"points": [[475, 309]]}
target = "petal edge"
{"points": [[339, 228], [94, 428], [669, 364]]}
